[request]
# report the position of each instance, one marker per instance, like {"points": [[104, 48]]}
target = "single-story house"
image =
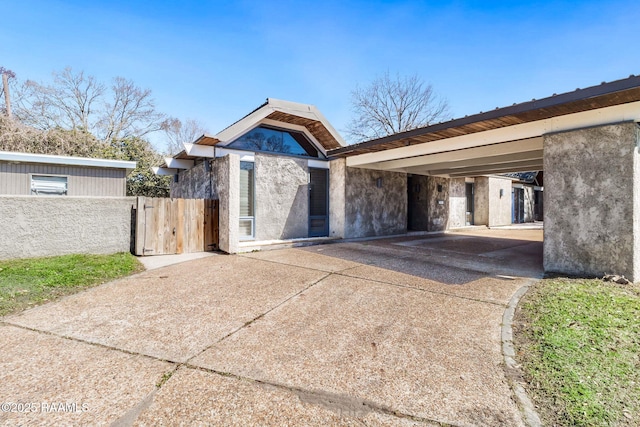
{"points": [[283, 172], [41, 174]]}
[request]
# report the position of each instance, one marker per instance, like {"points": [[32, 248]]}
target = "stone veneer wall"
{"points": [[373, 211]]}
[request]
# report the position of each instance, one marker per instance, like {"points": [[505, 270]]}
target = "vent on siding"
{"points": [[51, 185]]}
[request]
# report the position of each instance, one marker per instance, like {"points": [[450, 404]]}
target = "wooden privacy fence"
{"points": [[175, 226]]}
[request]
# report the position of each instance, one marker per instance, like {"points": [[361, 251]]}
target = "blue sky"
{"points": [[216, 61]]}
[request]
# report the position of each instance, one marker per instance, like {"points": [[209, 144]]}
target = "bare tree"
{"points": [[130, 113], [178, 133], [78, 102], [68, 103], [391, 105]]}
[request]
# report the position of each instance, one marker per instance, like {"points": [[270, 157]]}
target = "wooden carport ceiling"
{"points": [[315, 127], [504, 140]]}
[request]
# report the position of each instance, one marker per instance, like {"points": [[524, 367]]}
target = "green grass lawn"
{"points": [[578, 342], [28, 282]]}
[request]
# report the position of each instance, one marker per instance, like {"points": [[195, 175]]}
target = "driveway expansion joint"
{"points": [[512, 369], [258, 317], [91, 343]]}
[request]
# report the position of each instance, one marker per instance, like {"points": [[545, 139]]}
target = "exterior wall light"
{"points": [[439, 188], [501, 192], [379, 182]]}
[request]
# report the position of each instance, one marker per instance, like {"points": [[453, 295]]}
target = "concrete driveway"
{"points": [[402, 331]]}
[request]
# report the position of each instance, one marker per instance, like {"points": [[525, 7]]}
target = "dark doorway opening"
{"points": [[469, 191], [417, 203]]}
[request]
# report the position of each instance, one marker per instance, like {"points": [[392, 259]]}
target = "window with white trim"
{"points": [[48, 185], [247, 201]]}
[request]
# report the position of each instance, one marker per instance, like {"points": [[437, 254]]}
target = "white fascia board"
{"points": [[601, 116], [318, 164], [244, 125], [164, 171], [10, 156], [245, 156], [178, 163], [196, 150], [257, 117]]}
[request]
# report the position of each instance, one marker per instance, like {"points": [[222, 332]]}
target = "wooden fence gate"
{"points": [[176, 226]]}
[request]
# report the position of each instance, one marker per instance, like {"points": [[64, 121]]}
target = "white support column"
{"points": [[228, 181]]}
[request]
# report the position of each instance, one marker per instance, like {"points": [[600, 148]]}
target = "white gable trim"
{"points": [[259, 117]]}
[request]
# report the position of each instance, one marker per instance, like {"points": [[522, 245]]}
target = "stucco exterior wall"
{"points": [[373, 211], [529, 208], [337, 194], [481, 200], [196, 183], [282, 197], [591, 201], [457, 203], [499, 207], [227, 180], [58, 225]]}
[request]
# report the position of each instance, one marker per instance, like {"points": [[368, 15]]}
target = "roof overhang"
{"points": [[14, 157], [500, 141], [303, 117]]}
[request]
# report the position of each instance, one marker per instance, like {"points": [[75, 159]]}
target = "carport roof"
{"points": [[592, 98]]}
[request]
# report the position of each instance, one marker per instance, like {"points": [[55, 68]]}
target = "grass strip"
{"points": [[578, 342], [28, 282]]}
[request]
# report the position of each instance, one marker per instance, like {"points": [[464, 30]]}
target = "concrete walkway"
{"points": [[383, 333]]}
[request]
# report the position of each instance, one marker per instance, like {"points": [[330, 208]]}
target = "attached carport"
{"points": [[586, 141]]}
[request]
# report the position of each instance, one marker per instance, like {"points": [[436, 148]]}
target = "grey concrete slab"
{"points": [[174, 312], [408, 334], [47, 380], [423, 354], [196, 397], [159, 261], [302, 258]]}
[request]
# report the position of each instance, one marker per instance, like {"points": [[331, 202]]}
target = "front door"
{"points": [[318, 202], [518, 205]]}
